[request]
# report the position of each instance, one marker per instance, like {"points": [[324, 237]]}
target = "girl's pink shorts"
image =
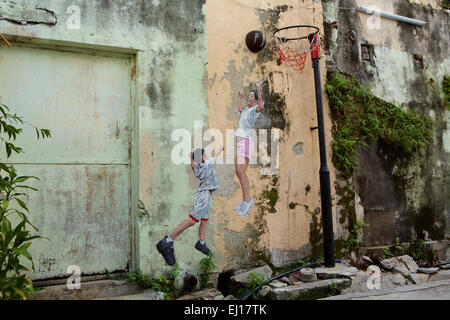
{"points": [[245, 147]]}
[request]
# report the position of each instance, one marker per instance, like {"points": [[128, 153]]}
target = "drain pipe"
{"points": [[391, 16]]}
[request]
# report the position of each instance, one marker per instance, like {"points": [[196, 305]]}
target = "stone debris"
{"points": [[309, 291], [277, 284], [445, 266], [428, 270], [354, 258], [441, 275], [358, 284], [392, 280], [294, 277], [264, 291], [244, 277], [440, 247], [420, 278], [286, 280], [403, 264], [366, 258], [308, 275], [208, 294], [339, 271]]}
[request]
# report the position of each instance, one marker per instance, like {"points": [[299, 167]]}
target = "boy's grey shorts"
{"points": [[201, 205]]}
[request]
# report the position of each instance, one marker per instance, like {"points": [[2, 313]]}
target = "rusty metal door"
{"points": [[83, 202]]}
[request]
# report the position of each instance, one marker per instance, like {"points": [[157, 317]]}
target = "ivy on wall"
{"points": [[360, 117]]}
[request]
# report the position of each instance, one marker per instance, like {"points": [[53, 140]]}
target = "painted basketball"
{"points": [[255, 40]]}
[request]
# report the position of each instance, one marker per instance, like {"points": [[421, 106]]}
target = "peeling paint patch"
{"points": [[298, 149], [16, 13]]}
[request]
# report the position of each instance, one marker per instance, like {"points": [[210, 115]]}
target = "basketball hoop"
{"points": [[302, 40], [295, 42]]}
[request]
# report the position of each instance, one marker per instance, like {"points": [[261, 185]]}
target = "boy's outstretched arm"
{"points": [[192, 161], [218, 152], [260, 106]]}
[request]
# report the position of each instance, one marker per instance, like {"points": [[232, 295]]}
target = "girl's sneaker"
{"points": [[239, 207], [246, 208]]}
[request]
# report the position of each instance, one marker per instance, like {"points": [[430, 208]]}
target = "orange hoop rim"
{"points": [[295, 58]]}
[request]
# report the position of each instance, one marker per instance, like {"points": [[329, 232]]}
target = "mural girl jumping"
{"points": [[244, 143]]}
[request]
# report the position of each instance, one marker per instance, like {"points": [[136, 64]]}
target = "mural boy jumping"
{"points": [[204, 170]]}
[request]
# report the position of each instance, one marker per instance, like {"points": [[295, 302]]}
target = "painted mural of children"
{"points": [[204, 170], [244, 143]]}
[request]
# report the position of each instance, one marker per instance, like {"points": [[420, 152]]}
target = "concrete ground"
{"points": [[436, 290]]}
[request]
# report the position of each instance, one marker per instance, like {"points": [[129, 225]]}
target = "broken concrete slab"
{"points": [[403, 264], [364, 281], [286, 280], [338, 271], [428, 270], [244, 278], [358, 284], [88, 290], [264, 291], [309, 291], [439, 246], [367, 259], [420, 278], [277, 284], [21, 14], [148, 294], [392, 280], [208, 294], [441, 275], [438, 290]]}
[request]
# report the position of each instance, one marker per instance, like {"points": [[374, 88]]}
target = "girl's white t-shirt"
{"points": [[246, 122]]}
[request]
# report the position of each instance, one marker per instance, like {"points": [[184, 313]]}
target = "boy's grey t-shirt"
{"points": [[247, 122], [206, 173]]}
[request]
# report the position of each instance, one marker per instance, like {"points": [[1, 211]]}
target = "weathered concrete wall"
{"points": [[169, 39], [191, 61], [405, 65], [285, 223]]}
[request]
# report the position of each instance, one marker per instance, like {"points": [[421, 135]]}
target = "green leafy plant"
{"points": [[333, 290], [207, 266], [352, 243], [304, 261], [15, 236], [387, 253], [255, 280], [164, 283], [446, 88], [419, 252]]}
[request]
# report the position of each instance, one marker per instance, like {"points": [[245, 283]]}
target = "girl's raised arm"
{"points": [[240, 97], [260, 106]]}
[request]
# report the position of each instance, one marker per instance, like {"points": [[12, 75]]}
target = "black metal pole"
{"points": [[325, 188]]}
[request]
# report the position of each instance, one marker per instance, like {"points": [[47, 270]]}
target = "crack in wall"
{"points": [[18, 14]]}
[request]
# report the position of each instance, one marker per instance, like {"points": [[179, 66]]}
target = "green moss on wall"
{"points": [[446, 91], [272, 196], [360, 117], [315, 234]]}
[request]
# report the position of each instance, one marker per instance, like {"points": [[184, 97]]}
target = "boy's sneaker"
{"points": [[246, 208], [202, 248], [239, 207], [166, 250]]}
